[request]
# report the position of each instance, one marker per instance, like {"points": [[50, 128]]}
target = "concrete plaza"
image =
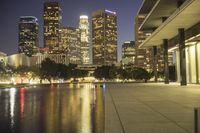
{"points": [[150, 108]]}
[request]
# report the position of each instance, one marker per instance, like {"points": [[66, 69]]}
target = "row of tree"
{"points": [[51, 70], [113, 72]]}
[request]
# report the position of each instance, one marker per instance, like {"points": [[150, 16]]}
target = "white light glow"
{"points": [[83, 17], [108, 11], [12, 104]]}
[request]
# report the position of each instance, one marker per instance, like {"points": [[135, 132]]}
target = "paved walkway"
{"points": [[150, 108]]}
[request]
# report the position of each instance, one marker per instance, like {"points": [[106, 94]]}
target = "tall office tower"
{"points": [[71, 44], [28, 35], [128, 53], [85, 39], [142, 55], [145, 56], [104, 37], [52, 20]]}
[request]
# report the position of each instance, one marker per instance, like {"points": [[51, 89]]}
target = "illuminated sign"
{"points": [[83, 17], [108, 11]]}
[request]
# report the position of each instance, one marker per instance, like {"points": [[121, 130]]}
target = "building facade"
{"points": [[141, 54], [21, 59], [71, 44], [28, 35], [128, 53], [52, 20], [145, 55], [176, 28], [85, 39], [104, 37]]}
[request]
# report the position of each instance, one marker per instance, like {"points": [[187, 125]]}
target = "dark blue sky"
{"points": [[11, 10]]}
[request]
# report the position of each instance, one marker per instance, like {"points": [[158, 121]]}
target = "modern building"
{"points": [[175, 27], [52, 21], [2, 55], [128, 53], [142, 58], [28, 40], [85, 39], [2, 59], [104, 37], [21, 59], [64, 40], [71, 44], [145, 55]]}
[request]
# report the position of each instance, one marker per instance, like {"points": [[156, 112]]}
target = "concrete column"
{"points": [[166, 63], [155, 62], [183, 78], [197, 63]]}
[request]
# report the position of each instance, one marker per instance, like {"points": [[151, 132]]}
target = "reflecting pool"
{"points": [[59, 108]]}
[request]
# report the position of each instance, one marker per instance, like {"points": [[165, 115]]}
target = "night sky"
{"points": [[11, 10]]}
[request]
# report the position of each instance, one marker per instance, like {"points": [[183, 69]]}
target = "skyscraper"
{"points": [[128, 52], [104, 37], [71, 44], [85, 39], [142, 55], [52, 20], [28, 35]]}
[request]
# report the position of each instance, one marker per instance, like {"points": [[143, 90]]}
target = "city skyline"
{"points": [[70, 15]]}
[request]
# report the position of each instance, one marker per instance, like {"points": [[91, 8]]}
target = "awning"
{"points": [[161, 8], [184, 17], [146, 6]]}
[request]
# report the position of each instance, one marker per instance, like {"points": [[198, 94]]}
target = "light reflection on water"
{"points": [[52, 109], [12, 105]]}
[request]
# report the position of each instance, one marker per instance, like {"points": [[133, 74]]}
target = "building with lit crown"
{"points": [[85, 39], [28, 35], [52, 20], [104, 37]]}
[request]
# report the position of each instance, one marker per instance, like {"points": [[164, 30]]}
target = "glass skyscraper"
{"points": [[85, 39], [104, 37], [52, 20], [28, 35]]}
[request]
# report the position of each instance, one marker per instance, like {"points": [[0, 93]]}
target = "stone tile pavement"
{"points": [[150, 108]]}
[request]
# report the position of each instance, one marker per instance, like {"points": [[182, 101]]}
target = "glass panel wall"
{"points": [[198, 59], [177, 60], [192, 64], [187, 65]]}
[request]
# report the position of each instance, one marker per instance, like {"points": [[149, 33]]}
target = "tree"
{"points": [[122, 74], [112, 72], [48, 69], [62, 71], [141, 74], [102, 72]]}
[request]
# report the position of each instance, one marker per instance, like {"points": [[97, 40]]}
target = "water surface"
{"points": [[52, 109]]}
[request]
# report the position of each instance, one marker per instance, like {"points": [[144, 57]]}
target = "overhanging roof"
{"points": [[161, 8], [146, 6], [184, 17]]}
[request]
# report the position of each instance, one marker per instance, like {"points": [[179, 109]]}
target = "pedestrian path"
{"points": [[150, 108]]}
